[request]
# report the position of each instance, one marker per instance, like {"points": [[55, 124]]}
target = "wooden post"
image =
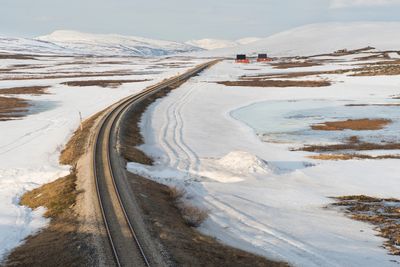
{"points": [[80, 118]]}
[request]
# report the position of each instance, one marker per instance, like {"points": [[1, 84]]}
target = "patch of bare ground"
{"points": [[13, 108], [295, 64], [27, 90], [383, 213], [374, 105], [389, 70], [276, 83], [61, 243], [289, 75], [352, 144], [351, 156], [168, 220], [355, 125], [41, 76], [345, 52], [15, 56], [101, 83], [382, 62]]}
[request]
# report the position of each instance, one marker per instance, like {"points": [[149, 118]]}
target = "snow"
{"points": [[321, 38], [262, 197], [72, 42], [211, 44], [30, 147]]}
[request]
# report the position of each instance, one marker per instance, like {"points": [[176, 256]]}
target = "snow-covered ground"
{"points": [[78, 43], [261, 196], [211, 44], [30, 147], [320, 38]]}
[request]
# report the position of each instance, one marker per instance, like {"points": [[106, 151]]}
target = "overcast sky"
{"points": [[184, 19]]}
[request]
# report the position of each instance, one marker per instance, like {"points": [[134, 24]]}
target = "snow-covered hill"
{"points": [[321, 38], [71, 42], [211, 44]]}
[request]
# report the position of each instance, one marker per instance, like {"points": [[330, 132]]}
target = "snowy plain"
{"points": [[261, 196], [30, 146]]}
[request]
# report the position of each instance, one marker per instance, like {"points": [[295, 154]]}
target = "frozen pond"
{"points": [[290, 121]]}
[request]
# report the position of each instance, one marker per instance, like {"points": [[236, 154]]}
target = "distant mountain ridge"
{"points": [[211, 44], [319, 39], [78, 43]]}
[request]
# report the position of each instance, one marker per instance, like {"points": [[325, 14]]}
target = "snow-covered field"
{"points": [[262, 197], [320, 38], [30, 147]]}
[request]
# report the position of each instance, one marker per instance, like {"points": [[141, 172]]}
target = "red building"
{"points": [[242, 59]]}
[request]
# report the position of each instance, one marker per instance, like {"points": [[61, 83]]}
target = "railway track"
{"points": [[127, 247]]}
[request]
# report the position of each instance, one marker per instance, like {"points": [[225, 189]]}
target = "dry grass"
{"points": [[59, 75], [383, 213], [75, 146], [353, 143], [298, 64], [101, 83], [351, 156], [56, 196], [355, 125], [351, 146], [13, 108], [192, 215], [26, 90], [276, 83], [393, 69], [176, 193], [374, 105], [15, 56]]}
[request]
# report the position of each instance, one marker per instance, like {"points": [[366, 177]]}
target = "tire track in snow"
{"points": [[299, 249], [179, 154]]}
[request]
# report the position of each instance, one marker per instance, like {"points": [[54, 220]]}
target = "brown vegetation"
{"points": [[101, 83], [383, 213], [378, 70], [374, 105], [15, 56], [13, 108], [56, 196], [41, 76], [75, 147], [351, 156], [295, 64], [276, 83], [26, 90], [355, 125], [352, 144]]}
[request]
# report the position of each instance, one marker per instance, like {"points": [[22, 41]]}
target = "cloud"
{"points": [[362, 3]]}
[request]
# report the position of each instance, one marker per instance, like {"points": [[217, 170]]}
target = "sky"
{"points": [[183, 20]]}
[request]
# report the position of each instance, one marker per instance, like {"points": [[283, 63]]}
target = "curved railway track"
{"points": [[125, 243]]}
